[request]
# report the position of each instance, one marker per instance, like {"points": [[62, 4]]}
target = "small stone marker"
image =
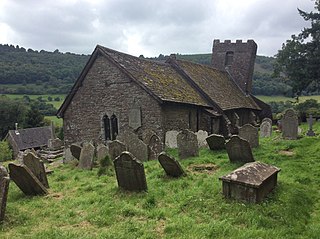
{"points": [[171, 139], [250, 183], [116, 147], [250, 133], [36, 166], [25, 180], [55, 143], [239, 150], [310, 123], [187, 144], [102, 152], [216, 142], [75, 150], [265, 129], [4, 188], [171, 166], [86, 156], [201, 137], [155, 146], [289, 124], [130, 172]]}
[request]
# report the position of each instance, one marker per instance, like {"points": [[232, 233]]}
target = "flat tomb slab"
{"points": [[251, 182]]}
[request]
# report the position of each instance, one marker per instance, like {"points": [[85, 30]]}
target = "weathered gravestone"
{"points": [[36, 166], [130, 172], [265, 129], [171, 166], [134, 145], [250, 183], [187, 144], [201, 137], [310, 123], [268, 120], [216, 142], [239, 150], [250, 133], [68, 157], [289, 124], [86, 156], [55, 143], [25, 180], [75, 150], [4, 188], [115, 149], [155, 146], [171, 139], [102, 152]]}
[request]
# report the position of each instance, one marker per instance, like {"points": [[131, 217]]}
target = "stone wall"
{"points": [[241, 65]]}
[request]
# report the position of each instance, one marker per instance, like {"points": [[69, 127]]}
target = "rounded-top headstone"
{"points": [[187, 144]]}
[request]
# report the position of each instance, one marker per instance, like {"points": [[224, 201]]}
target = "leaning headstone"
{"points": [[55, 143], [171, 166], [250, 133], [201, 136], [76, 150], [265, 129], [68, 157], [216, 142], [171, 139], [25, 180], [310, 123], [155, 146], [4, 188], [102, 152], [130, 172], [86, 156], [239, 150], [250, 183], [289, 123], [36, 166], [116, 147], [187, 144]]}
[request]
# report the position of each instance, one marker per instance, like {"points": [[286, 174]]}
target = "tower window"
{"points": [[229, 58]]}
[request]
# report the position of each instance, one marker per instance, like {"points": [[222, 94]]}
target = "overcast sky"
{"points": [[149, 27]]}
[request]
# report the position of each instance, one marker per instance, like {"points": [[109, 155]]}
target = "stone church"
{"points": [[116, 93]]}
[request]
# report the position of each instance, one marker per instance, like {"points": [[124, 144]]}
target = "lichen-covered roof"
{"points": [[159, 77], [218, 86]]}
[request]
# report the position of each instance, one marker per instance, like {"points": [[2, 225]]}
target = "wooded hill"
{"points": [[27, 71]]}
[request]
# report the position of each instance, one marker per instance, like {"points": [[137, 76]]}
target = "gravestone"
{"points": [[75, 150], [155, 146], [86, 156], [265, 129], [25, 180], [4, 188], [171, 166], [187, 144], [201, 137], [171, 139], [135, 146], [310, 123], [130, 172], [268, 120], [289, 124], [250, 133], [116, 147], [239, 150], [68, 157], [102, 152], [55, 143], [36, 166], [250, 183], [216, 142]]}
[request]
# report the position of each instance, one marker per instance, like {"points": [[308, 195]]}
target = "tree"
{"points": [[299, 58]]}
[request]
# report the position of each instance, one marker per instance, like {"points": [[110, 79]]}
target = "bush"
{"points": [[5, 151], [310, 106]]}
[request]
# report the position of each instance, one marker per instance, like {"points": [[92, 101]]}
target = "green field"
{"points": [[56, 104], [283, 98], [83, 205]]}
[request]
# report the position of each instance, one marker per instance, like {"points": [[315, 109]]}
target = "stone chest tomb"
{"points": [[250, 183]]}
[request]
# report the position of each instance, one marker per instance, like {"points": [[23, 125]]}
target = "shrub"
{"points": [[5, 151]]}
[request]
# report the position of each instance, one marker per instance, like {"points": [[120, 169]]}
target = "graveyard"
{"points": [[81, 204]]}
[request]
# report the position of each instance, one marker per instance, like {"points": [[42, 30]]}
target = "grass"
{"points": [[83, 205], [283, 98]]}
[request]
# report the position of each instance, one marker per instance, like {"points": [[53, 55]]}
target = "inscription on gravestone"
{"points": [[130, 173], [4, 188], [171, 166], [36, 166], [239, 150]]}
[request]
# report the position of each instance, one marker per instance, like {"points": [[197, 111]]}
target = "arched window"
{"points": [[106, 125], [114, 127], [229, 58]]}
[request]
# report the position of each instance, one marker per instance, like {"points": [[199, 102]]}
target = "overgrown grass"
{"points": [[83, 205]]}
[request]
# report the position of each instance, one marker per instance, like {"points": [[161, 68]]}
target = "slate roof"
{"points": [[174, 81], [31, 137]]}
